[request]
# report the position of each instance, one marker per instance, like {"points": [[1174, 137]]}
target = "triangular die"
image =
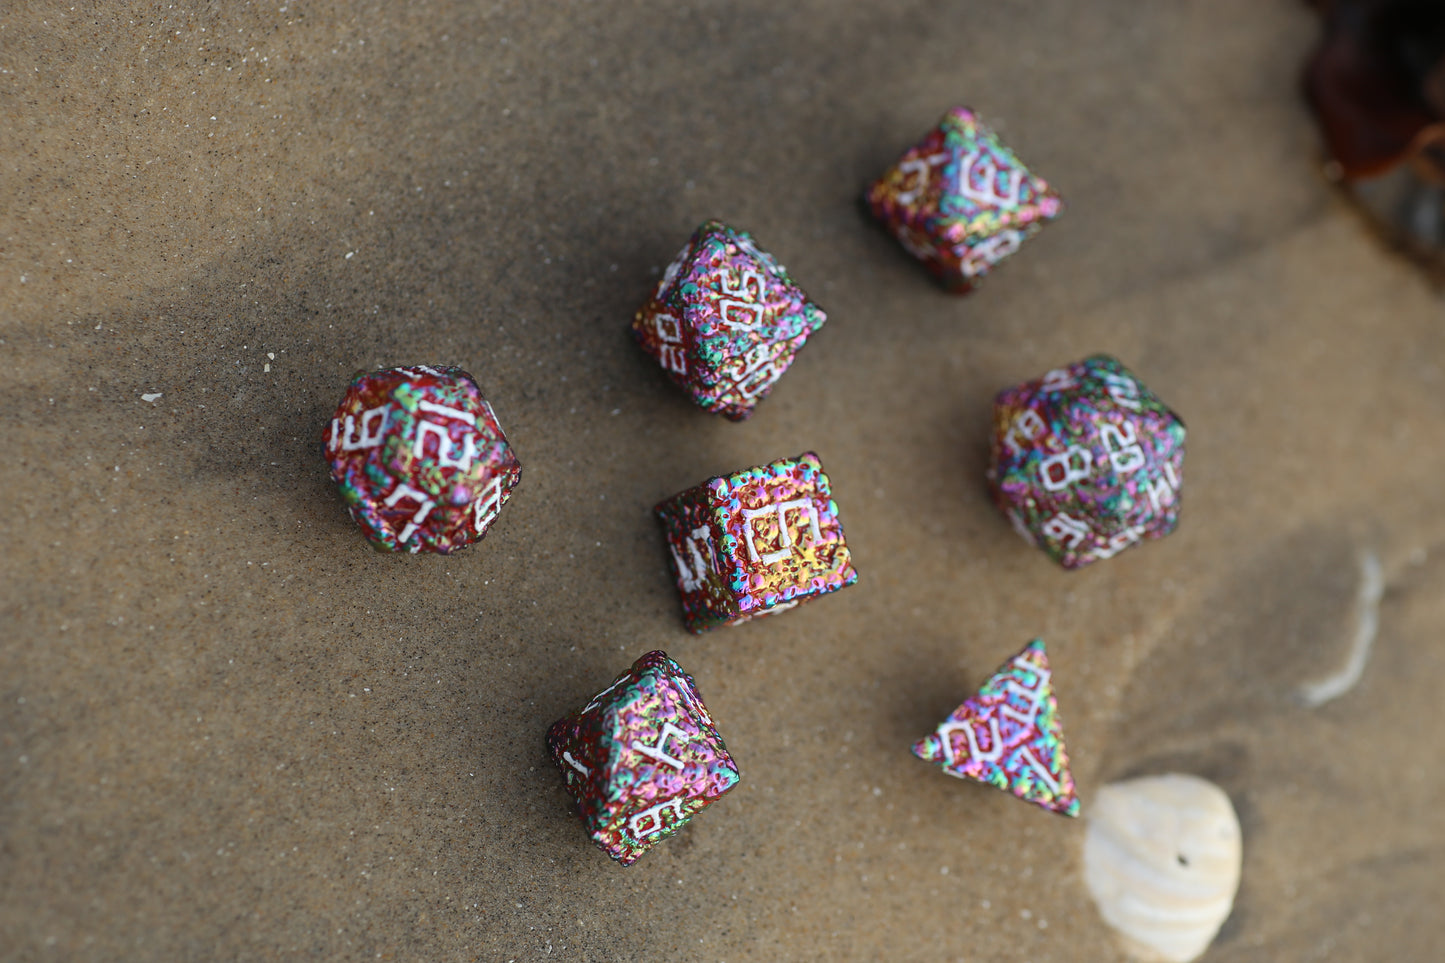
{"points": [[1009, 736]]}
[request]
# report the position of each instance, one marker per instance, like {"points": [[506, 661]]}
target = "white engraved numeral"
{"points": [[1027, 754], [650, 820], [918, 167], [1066, 529], [1125, 452], [697, 567], [978, 180], [459, 457], [1028, 426], [403, 492], [487, 506], [1119, 542], [914, 243], [447, 412], [1163, 491], [367, 435], [995, 740], [669, 334], [659, 751], [1058, 380], [785, 535], [567, 758], [761, 370], [1060, 471], [986, 254], [1124, 390], [740, 308]]}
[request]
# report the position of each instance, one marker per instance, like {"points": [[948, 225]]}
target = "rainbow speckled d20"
{"points": [[756, 542], [1009, 735], [960, 201], [1086, 461], [725, 320], [642, 758], [419, 458]]}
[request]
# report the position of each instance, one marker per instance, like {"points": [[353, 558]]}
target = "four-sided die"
{"points": [[1086, 461], [642, 758], [1009, 735], [725, 320], [756, 542], [419, 458], [960, 201]]}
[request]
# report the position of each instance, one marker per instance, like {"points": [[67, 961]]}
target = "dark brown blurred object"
{"points": [[1376, 84]]}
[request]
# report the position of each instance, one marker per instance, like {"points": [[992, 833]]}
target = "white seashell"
{"points": [[1161, 858]]}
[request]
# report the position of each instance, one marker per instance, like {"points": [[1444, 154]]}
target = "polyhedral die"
{"points": [[1008, 735], [642, 757], [419, 458], [755, 542], [725, 320], [1086, 461], [960, 201]]}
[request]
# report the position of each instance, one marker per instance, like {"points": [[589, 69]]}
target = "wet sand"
{"points": [[230, 731]]}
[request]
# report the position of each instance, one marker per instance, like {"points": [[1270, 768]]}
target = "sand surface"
{"points": [[229, 731]]}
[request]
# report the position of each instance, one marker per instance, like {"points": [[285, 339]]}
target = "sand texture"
{"points": [[230, 731]]}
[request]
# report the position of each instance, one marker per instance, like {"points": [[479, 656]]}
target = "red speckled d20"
{"points": [[642, 758], [419, 458]]}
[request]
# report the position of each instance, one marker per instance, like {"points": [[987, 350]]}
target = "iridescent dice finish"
{"points": [[1009, 735], [756, 542], [1086, 461], [960, 201], [725, 320], [419, 458], [642, 757]]}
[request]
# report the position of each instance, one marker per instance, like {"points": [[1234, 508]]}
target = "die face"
{"points": [[726, 320], [642, 757], [1009, 736], [1086, 461], [690, 528], [419, 458], [960, 201], [775, 536]]}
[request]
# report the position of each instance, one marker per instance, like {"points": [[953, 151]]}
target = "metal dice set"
{"points": [[1085, 462]]}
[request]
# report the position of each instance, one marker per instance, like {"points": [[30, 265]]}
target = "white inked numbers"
{"points": [[1123, 389], [785, 534], [448, 456], [696, 568], [487, 506], [989, 252], [567, 758], [1028, 426], [404, 492], [367, 434], [669, 348], [1163, 491], [918, 168], [1058, 379], [979, 181], [1066, 529], [741, 305], [760, 370], [1125, 452], [1058, 472], [659, 751], [649, 821]]}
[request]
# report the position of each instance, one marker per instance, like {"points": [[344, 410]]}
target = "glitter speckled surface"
{"points": [[960, 201], [756, 542], [1086, 461], [642, 757], [230, 730], [726, 320], [419, 458], [1009, 736]]}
